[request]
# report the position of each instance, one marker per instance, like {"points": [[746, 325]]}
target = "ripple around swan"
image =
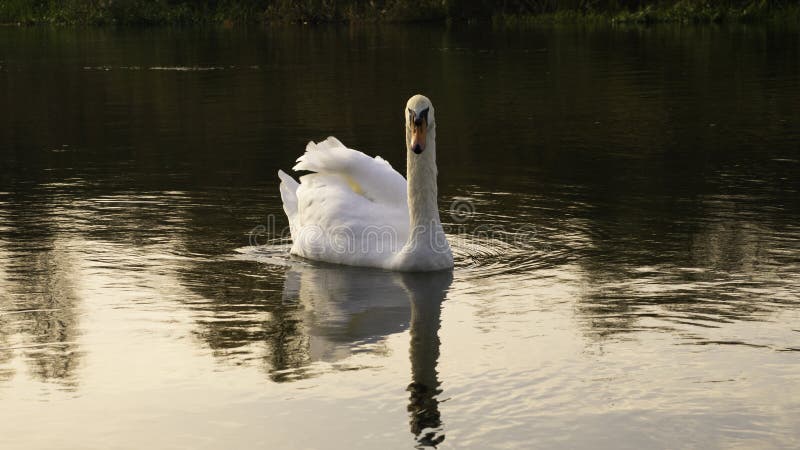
{"points": [[274, 253], [499, 253], [475, 256]]}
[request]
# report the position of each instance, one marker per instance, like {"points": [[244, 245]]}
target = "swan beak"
{"points": [[418, 131]]}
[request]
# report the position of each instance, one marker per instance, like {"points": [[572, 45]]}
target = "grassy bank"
{"points": [[186, 12], [681, 12], [706, 12]]}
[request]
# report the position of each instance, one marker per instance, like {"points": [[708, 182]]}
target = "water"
{"points": [[622, 203]]}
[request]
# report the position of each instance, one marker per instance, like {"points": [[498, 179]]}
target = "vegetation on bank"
{"points": [[173, 12]]}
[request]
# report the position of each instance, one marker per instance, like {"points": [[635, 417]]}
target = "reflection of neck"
{"points": [[422, 192], [426, 294]]}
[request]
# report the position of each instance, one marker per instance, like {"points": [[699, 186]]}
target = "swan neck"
{"points": [[427, 247], [422, 189]]}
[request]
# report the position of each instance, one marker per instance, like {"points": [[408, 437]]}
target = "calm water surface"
{"points": [[626, 229]]}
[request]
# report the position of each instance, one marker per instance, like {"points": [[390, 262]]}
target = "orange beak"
{"points": [[418, 132]]}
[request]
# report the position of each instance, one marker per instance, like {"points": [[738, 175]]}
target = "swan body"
{"points": [[357, 210]]}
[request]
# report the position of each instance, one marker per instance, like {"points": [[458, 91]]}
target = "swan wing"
{"points": [[352, 210], [373, 178]]}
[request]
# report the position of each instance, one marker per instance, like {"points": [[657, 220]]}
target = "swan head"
{"points": [[420, 123]]}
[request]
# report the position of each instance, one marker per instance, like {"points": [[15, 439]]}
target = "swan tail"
{"points": [[289, 195]]}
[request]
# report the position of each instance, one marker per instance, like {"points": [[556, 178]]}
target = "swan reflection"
{"points": [[347, 308]]}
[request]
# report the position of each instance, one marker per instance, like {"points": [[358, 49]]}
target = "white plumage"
{"points": [[359, 211]]}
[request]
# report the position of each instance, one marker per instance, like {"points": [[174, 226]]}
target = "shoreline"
{"points": [[159, 13]]}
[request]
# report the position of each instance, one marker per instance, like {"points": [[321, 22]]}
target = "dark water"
{"points": [[623, 205]]}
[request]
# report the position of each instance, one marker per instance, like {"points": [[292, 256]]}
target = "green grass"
{"points": [[508, 12]]}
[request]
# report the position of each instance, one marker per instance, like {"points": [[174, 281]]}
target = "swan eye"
{"points": [[423, 115], [417, 119]]}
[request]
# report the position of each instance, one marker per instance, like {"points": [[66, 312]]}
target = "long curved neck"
{"points": [[423, 206], [427, 247]]}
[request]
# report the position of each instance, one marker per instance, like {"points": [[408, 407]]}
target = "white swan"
{"points": [[359, 211]]}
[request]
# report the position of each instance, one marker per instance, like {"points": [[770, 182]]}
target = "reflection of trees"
{"points": [[39, 303], [50, 228], [289, 345], [6, 353], [682, 204], [236, 304], [51, 325], [724, 255]]}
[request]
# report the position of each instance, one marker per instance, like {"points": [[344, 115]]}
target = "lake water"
{"points": [[622, 202]]}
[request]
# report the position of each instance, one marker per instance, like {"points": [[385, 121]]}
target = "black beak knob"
{"points": [[417, 149]]}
